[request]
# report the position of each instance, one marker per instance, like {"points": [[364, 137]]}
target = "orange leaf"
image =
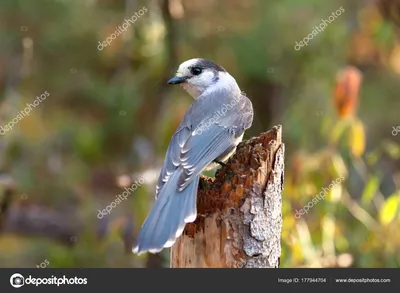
{"points": [[346, 92]]}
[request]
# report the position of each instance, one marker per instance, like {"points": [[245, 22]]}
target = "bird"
{"points": [[208, 135]]}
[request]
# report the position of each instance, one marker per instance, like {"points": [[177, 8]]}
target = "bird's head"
{"points": [[199, 75]]}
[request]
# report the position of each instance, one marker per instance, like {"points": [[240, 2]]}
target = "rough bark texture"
{"points": [[239, 219]]}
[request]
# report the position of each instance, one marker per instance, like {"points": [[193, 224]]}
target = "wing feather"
{"points": [[193, 150]]}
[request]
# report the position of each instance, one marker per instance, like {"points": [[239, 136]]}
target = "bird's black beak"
{"points": [[176, 80]]}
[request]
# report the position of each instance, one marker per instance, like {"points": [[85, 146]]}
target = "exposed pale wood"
{"points": [[239, 218]]}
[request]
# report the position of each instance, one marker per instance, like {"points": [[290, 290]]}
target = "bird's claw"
{"points": [[221, 163]]}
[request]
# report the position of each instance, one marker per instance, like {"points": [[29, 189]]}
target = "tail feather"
{"points": [[145, 235], [191, 202], [167, 219]]}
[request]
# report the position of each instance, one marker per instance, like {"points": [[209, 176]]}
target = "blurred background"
{"points": [[103, 115]]}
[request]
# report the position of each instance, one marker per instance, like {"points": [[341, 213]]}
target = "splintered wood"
{"points": [[239, 218]]}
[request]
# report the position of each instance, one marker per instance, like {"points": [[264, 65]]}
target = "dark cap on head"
{"points": [[204, 63]]}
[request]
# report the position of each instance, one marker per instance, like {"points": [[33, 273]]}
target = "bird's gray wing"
{"points": [[219, 131], [204, 135], [172, 157], [201, 149]]}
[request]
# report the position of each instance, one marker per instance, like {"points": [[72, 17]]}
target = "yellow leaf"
{"points": [[357, 138], [392, 149], [338, 130], [389, 209], [370, 189], [338, 166], [336, 193]]}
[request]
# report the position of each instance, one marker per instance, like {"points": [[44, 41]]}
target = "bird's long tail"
{"points": [[167, 219]]}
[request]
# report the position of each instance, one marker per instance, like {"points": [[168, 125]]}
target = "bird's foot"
{"points": [[219, 162]]}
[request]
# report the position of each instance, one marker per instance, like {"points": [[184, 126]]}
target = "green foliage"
{"points": [[110, 116]]}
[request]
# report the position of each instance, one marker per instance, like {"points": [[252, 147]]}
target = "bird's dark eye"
{"points": [[196, 70]]}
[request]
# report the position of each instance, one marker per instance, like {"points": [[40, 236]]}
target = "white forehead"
{"points": [[184, 67], [188, 63]]}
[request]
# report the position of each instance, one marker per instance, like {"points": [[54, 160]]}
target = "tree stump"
{"points": [[239, 218]]}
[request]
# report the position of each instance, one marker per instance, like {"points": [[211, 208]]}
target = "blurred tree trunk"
{"points": [[7, 189], [239, 217]]}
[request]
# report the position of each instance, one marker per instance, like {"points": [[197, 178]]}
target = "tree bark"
{"points": [[239, 218]]}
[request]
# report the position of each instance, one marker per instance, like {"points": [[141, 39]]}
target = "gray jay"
{"points": [[209, 133]]}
